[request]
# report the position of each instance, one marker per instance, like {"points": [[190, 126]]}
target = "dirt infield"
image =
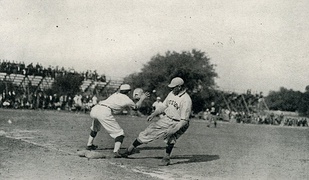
{"points": [[44, 144]]}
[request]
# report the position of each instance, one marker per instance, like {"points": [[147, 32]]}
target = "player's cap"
{"points": [[125, 87], [158, 98], [177, 81]]}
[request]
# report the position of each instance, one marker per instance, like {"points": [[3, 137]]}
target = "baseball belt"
{"points": [[172, 118], [106, 106]]}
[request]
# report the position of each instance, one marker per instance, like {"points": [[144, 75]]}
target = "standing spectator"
{"points": [[78, 102], [46, 101], [94, 100], [40, 100], [34, 101], [62, 101], [1, 98], [206, 115], [157, 104], [56, 102], [50, 101], [213, 114]]}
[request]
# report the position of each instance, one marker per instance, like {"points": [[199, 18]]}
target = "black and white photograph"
{"points": [[158, 90]]}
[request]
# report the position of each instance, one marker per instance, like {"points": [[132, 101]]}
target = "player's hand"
{"points": [[150, 117]]}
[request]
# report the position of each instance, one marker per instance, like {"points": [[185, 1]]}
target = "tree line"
{"points": [[289, 100], [199, 73]]}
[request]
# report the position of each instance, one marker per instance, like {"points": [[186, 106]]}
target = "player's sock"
{"points": [[169, 149], [92, 135], [117, 146], [90, 141], [118, 142], [134, 145]]}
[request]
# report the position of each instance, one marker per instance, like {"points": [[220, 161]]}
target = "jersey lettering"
{"points": [[173, 103]]}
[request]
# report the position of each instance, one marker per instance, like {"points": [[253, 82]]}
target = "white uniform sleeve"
{"points": [[130, 103], [186, 107]]}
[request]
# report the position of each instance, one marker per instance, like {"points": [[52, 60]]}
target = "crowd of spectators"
{"points": [[250, 109], [256, 118], [52, 72], [38, 99], [79, 102], [42, 100]]}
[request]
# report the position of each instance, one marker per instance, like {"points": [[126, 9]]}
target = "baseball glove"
{"points": [[137, 93]]}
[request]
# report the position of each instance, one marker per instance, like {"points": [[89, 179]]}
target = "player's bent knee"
{"points": [[93, 134], [119, 138]]}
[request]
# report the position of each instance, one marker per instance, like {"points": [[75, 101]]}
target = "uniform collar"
{"points": [[181, 93]]}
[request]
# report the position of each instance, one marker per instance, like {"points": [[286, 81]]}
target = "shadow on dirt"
{"points": [[151, 148], [185, 159], [177, 159], [180, 159], [137, 150], [194, 158]]}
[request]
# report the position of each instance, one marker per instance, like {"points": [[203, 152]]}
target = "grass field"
{"points": [[43, 145]]}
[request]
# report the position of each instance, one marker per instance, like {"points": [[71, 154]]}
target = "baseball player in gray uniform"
{"points": [[177, 108], [102, 115]]}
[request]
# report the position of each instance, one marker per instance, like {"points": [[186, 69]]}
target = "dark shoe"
{"points": [[117, 155], [126, 153], [165, 161], [92, 147]]}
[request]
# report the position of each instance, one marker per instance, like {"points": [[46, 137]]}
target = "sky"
{"points": [[255, 44]]}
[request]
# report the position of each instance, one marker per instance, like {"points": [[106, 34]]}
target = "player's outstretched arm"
{"points": [[140, 101]]}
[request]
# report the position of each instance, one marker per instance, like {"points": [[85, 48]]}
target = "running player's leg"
{"points": [[154, 131], [170, 143]]}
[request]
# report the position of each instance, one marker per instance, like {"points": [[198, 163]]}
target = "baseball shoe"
{"points": [[165, 161], [117, 155], [128, 153], [92, 147]]}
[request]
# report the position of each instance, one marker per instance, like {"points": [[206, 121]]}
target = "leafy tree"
{"points": [[307, 88], [194, 67], [304, 104], [67, 84], [284, 99]]}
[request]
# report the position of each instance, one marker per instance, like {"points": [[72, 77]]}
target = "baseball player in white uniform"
{"points": [[102, 115], [176, 110]]}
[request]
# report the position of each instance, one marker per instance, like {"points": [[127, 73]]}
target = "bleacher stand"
{"points": [[32, 82], [2, 76]]}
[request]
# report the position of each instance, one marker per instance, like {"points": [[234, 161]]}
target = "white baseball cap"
{"points": [[125, 87], [177, 81], [158, 98]]}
